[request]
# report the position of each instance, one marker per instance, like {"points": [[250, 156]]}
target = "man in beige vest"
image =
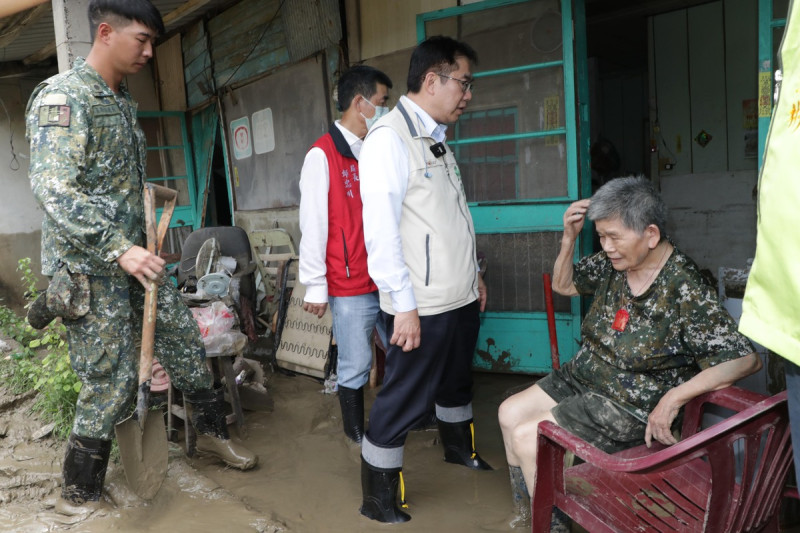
{"points": [[421, 254]]}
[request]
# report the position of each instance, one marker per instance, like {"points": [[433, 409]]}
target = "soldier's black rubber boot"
{"points": [[379, 490], [458, 440], [84, 472], [352, 404], [209, 420]]}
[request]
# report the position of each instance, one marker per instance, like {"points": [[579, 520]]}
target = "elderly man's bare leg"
{"points": [[519, 418]]}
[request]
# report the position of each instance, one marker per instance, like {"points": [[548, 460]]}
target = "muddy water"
{"points": [[308, 479]]}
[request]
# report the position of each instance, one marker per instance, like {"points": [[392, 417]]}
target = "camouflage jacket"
{"points": [[87, 165], [677, 328]]}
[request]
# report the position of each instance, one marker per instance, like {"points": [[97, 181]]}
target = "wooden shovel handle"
{"points": [[170, 198], [155, 237]]}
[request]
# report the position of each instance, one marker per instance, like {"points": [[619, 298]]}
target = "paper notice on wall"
{"points": [[240, 133], [263, 131], [551, 109]]}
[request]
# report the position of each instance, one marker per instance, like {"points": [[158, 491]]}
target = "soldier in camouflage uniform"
{"points": [[654, 337], [87, 171]]}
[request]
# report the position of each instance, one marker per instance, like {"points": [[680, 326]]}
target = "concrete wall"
{"points": [[712, 216], [380, 28], [21, 220]]}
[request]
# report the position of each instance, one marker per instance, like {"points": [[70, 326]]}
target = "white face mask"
{"points": [[379, 112]]}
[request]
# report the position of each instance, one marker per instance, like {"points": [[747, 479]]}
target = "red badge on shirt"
{"points": [[621, 320]]}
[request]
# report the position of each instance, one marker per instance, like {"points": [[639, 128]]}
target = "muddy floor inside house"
{"points": [[307, 480]]}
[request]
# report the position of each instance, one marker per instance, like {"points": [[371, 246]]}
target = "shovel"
{"points": [[142, 439]]}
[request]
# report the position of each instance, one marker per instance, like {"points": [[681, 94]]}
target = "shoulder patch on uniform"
{"points": [[54, 115], [54, 99]]}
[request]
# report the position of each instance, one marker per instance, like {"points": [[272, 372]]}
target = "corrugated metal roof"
{"points": [[310, 26], [40, 33]]}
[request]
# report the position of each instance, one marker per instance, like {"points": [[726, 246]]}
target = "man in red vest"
{"points": [[333, 257]]}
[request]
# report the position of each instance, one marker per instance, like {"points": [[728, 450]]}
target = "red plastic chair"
{"points": [[694, 485]]}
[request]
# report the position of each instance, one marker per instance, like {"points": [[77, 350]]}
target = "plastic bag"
{"points": [[216, 323], [215, 319]]}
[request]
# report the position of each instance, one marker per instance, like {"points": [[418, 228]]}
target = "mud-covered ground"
{"points": [[308, 478]]}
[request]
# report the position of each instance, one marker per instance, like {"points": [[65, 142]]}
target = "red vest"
{"points": [[346, 255]]}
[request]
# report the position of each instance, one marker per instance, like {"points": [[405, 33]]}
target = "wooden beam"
{"points": [[10, 69], [184, 11], [19, 22], [41, 54], [15, 69], [10, 7], [173, 16]]}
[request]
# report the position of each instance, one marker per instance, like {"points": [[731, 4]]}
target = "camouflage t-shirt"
{"points": [[87, 163], [676, 329]]}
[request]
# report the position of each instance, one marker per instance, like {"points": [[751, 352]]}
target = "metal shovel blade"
{"points": [[143, 439], [144, 453]]}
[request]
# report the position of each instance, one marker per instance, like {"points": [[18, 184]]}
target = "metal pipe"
{"points": [[10, 7]]}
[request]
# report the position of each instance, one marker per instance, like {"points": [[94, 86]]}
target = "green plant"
{"points": [[41, 362], [56, 382], [29, 279]]}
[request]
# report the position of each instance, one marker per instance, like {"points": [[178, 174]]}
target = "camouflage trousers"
{"points": [[103, 349], [597, 419]]}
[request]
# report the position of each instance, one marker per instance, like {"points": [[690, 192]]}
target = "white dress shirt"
{"points": [[383, 168], [314, 186]]}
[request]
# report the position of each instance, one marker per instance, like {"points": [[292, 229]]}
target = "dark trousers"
{"points": [[793, 397], [440, 371]]}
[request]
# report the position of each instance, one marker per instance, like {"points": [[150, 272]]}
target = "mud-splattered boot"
{"points": [[520, 517], [84, 472], [521, 499], [379, 489], [352, 403], [560, 522], [208, 419], [458, 440]]}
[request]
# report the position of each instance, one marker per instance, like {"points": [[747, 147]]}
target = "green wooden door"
{"points": [[170, 163], [521, 147], [771, 23]]}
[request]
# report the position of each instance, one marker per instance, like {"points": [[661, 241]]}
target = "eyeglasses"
{"points": [[465, 84]]}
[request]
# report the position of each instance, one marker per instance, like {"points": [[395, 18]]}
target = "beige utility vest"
{"points": [[435, 224]]}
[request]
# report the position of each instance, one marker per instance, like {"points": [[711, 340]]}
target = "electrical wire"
{"points": [[258, 41], [14, 164]]}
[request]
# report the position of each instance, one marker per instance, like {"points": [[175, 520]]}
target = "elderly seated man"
{"points": [[655, 337]]}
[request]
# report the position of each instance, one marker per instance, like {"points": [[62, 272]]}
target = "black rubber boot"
{"points": [[84, 472], [208, 419], [352, 403], [379, 489], [428, 421], [458, 440]]}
